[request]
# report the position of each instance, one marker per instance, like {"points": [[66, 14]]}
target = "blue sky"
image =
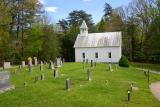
{"points": [[58, 9]]}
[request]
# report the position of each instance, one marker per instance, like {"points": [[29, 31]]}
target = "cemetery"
{"points": [[71, 85], [79, 53]]}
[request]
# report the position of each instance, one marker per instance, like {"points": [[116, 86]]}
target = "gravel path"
{"points": [[155, 89]]}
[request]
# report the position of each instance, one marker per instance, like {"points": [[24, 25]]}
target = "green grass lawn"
{"points": [[106, 89]]}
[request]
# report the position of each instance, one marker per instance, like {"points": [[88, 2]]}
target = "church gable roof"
{"points": [[106, 39]]}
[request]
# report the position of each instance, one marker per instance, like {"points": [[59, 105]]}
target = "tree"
{"points": [[107, 11], [5, 20], [50, 46]]}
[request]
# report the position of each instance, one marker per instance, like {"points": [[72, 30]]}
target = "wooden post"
{"points": [[129, 95]]}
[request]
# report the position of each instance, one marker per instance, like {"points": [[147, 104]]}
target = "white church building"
{"points": [[99, 47]]}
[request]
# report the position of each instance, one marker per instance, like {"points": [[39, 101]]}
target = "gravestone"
{"points": [[110, 68], [41, 66], [6, 65], [58, 62], [30, 61], [51, 65], [30, 68], [23, 64], [5, 82], [35, 61], [68, 84], [89, 75], [55, 73]]}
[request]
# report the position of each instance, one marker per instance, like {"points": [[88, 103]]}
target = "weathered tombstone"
{"points": [[51, 65], [35, 61], [68, 84], [41, 66], [30, 61], [30, 68], [42, 76], [23, 64], [5, 82], [55, 73], [89, 75], [91, 63], [6, 65], [110, 68], [58, 62]]}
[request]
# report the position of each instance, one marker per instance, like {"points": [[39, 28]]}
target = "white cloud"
{"points": [[42, 1], [86, 0], [51, 9]]}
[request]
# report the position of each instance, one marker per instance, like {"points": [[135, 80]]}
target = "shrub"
{"points": [[123, 62]]}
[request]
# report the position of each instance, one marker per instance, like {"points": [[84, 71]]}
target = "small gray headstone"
{"points": [[6, 65], [35, 61], [110, 68], [58, 62], [23, 64], [41, 66], [30, 62], [89, 75], [30, 68], [4, 79], [68, 84]]}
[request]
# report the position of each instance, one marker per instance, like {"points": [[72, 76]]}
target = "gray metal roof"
{"points": [[105, 39]]}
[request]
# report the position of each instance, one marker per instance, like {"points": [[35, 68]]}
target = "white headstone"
{"points": [[23, 64], [35, 61], [6, 65]]}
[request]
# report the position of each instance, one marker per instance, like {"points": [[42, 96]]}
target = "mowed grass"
{"points": [[106, 89]]}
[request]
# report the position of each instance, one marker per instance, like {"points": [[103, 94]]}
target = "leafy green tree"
{"points": [[50, 45], [34, 41]]}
